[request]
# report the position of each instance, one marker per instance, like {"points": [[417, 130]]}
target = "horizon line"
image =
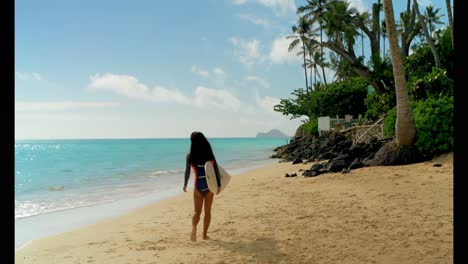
{"points": [[142, 138]]}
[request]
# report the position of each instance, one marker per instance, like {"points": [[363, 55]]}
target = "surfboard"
{"points": [[211, 177]]}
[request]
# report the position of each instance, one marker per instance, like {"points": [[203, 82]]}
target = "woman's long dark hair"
{"points": [[200, 149]]}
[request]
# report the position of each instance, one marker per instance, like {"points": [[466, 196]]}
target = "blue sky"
{"points": [[155, 69]]}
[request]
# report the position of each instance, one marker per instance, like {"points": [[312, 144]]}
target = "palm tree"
{"points": [[315, 59], [312, 62], [362, 44], [450, 18], [429, 38], [314, 10], [300, 37], [384, 35], [342, 68], [311, 47], [405, 131], [408, 28], [432, 18]]}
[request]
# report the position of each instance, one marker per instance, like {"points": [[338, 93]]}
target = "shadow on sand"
{"points": [[265, 249]]}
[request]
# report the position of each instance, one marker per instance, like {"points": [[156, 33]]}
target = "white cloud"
{"points": [[425, 3], [221, 99], [359, 5], [248, 52], [57, 106], [254, 19], [218, 72], [200, 71], [264, 83], [279, 51], [267, 103], [239, 2], [168, 95], [29, 76], [132, 88], [280, 7]]}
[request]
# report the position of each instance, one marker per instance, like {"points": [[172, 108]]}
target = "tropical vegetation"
{"points": [[406, 75]]}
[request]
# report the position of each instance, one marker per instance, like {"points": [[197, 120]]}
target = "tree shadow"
{"points": [[261, 248]]}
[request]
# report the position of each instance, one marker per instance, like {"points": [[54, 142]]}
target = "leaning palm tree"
{"points": [[432, 18], [405, 130], [450, 18], [384, 35], [429, 38], [402, 150], [300, 37]]}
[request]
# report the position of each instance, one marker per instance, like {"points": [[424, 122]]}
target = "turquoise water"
{"points": [[54, 175]]}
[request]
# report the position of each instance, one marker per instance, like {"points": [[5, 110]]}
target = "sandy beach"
{"points": [[397, 214]]}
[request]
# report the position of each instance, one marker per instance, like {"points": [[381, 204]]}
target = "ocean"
{"points": [[60, 184]]}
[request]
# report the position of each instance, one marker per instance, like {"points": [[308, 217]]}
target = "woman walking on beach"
{"points": [[200, 153]]}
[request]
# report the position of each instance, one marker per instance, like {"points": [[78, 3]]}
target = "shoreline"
{"points": [[39, 226], [397, 214]]}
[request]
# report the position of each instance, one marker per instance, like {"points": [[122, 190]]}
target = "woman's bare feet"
{"points": [[206, 237], [193, 236]]}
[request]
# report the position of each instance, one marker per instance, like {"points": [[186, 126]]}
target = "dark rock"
{"points": [[336, 165], [296, 161], [317, 166], [366, 162], [356, 164], [311, 173], [334, 147], [344, 157], [437, 165]]}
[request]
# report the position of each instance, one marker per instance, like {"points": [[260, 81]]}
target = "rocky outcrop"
{"points": [[274, 133], [331, 152]]}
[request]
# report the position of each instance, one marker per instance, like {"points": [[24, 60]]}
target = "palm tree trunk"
{"points": [[315, 75], [311, 86], [362, 45], [450, 20], [305, 68], [383, 47], [405, 131], [430, 40], [321, 54]]}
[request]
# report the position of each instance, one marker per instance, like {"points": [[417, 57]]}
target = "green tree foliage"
{"points": [[389, 123], [433, 85], [421, 61], [309, 127], [296, 107], [434, 125], [379, 104], [340, 98], [445, 49]]}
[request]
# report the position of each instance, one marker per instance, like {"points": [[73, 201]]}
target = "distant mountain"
{"points": [[274, 133]]}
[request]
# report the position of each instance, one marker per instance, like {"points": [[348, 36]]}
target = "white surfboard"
{"points": [[211, 177]]}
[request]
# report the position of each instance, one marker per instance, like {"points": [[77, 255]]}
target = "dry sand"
{"points": [[397, 214]]}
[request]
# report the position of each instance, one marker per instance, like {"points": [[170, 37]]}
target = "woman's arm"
{"points": [[187, 174]]}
